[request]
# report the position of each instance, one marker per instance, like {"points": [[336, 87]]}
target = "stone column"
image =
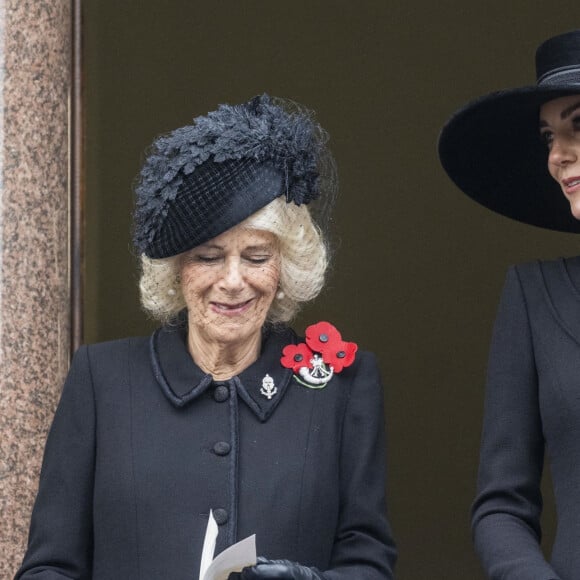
{"points": [[35, 83]]}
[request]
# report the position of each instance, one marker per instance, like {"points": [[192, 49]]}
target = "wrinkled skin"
{"points": [[229, 284]]}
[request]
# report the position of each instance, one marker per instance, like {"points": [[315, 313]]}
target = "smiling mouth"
{"points": [[570, 186], [231, 308]]}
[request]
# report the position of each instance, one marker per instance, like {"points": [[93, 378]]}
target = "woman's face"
{"points": [[560, 130], [229, 284]]}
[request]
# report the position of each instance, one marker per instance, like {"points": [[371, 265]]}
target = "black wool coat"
{"points": [[144, 444], [532, 411]]}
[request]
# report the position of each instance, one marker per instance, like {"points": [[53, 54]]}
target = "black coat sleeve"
{"points": [[508, 504], [364, 548], [60, 539]]}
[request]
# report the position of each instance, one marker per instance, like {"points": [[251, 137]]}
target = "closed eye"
{"points": [[207, 259], [261, 259]]}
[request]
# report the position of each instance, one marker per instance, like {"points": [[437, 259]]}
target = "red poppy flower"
{"points": [[342, 355], [296, 356], [322, 337]]}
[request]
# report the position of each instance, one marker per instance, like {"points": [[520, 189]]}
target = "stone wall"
{"points": [[35, 72]]}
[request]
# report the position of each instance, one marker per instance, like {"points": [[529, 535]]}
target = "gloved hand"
{"points": [[279, 570]]}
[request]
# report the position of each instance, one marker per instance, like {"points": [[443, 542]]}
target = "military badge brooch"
{"points": [[322, 355]]}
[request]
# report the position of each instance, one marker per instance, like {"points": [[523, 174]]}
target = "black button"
{"points": [[341, 354], [222, 448], [298, 357], [220, 516], [221, 394]]}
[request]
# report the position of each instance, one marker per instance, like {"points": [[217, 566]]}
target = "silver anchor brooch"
{"points": [[268, 388]]}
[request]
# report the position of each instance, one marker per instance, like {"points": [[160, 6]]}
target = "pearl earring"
{"points": [[280, 294], [171, 291]]}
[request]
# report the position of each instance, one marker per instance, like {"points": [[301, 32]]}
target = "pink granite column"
{"points": [[35, 82]]}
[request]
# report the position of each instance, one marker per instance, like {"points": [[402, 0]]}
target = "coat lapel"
{"points": [[182, 381], [562, 280], [250, 383]]}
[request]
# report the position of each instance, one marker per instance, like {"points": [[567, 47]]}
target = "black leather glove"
{"points": [[279, 570]]}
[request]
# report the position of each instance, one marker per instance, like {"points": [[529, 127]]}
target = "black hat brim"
{"points": [[491, 149]]}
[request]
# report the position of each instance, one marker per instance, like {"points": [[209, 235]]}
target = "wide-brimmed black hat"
{"points": [[203, 179], [492, 150]]}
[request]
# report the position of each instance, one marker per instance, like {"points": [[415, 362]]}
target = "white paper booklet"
{"points": [[232, 559]]}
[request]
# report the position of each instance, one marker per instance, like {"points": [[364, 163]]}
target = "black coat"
{"points": [[143, 444], [532, 410]]}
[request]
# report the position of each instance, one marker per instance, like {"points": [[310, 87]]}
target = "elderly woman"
{"points": [[518, 153], [224, 408]]}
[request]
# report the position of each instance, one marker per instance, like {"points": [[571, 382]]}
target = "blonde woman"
{"points": [[224, 408]]}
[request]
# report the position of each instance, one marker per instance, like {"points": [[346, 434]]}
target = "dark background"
{"points": [[419, 267]]}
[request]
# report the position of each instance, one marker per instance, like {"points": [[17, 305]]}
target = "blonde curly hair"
{"points": [[303, 265]]}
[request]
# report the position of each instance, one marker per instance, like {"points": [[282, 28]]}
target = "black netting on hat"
{"points": [[214, 198], [264, 148]]}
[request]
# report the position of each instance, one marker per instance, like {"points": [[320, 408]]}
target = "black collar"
{"points": [[182, 381]]}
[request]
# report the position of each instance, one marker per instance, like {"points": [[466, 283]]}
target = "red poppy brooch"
{"points": [[323, 354]]}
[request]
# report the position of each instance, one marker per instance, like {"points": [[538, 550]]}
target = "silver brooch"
{"points": [[318, 376], [268, 388]]}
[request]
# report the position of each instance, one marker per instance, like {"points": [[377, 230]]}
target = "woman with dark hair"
{"points": [[224, 410], [518, 153]]}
